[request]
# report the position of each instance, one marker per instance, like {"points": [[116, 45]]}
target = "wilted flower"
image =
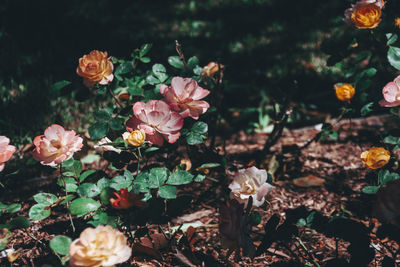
{"points": [[157, 120], [6, 151], [186, 163], [391, 94], [183, 95], [250, 182], [375, 157], [56, 145], [100, 147], [95, 68], [126, 199], [135, 138], [102, 246], [365, 14], [344, 91], [211, 69], [397, 22]]}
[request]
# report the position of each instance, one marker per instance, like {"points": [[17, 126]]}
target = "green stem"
{"points": [[138, 161], [66, 197]]}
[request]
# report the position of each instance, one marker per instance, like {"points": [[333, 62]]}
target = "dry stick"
{"points": [[178, 48], [308, 252], [115, 98]]}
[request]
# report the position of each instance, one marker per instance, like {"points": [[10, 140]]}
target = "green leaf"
{"points": [[367, 108], [120, 182], [39, 212], [12, 208], [141, 184], [167, 191], [117, 124], [102, 90], [85, 175], [103, 183], [180, 177], [160, 72], [175, 61], [200, 127], [193, 138], [77, 168], [391, 140], [193, 62], [391, 38], [98, 130], [60, 85], [145, 59], [157, 177], [198, 70], [60, 244], [45, 198], [88, 190], [106, 194], [209, 165], [152, 80], [151, 149], [385, 176], [102, 218], [370, 189], [124, 68], [19, 222], [144, 49], [104, 114], [394, 57], [82, 206], [199, 178], [255, 218], [70, 183], [301, 222], [68, 163]]}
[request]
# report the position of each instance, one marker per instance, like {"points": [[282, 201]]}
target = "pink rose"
{"points": [[6, 151], [56, 145], [157, 120], [391, 94], [184, 96]]}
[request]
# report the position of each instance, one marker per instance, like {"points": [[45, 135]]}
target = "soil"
{"points": [[336, 161]]}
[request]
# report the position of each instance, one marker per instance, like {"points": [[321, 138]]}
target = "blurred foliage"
{"points": [[266, 45]]}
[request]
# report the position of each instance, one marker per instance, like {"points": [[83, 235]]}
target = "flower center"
{"points": [[248, 188]]}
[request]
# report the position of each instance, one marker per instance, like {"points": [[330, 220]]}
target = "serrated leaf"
{"points": [[39, 212], [180, 177], [124, 68], [167, 191], [151, 149], [88, 190], [391, 38], [117, 124], [103, 183], [82, 206], [198, 70], [45, 198], [120, 182], [193, 138], [60, 244], [86, 174], [60, 85], [19, 222], [160, 72], [391, 140], [141, 184], [157, 177], [175, 61], [199, 178], [98, 130], [367, 108], [200, 127], [104, 114], [152, 80], [106, 194], [145, 59], [193, 62]]}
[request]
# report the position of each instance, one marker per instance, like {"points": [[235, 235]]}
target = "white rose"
{"points": [[250, 182], [102, 246]]}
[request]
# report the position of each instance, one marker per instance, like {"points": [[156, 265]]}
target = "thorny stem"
{"points": [[66, 197], [178, 48], [115, 98]]}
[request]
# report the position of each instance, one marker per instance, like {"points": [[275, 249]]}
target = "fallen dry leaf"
{"points": [[192, 217], [308, 181]]}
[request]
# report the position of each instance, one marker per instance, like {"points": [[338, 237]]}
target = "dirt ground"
{"points": [[337, 162]]}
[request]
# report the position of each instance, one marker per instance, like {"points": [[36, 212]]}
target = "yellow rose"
{"points": [[95, 68], [135, 138], [344, 91], [211, 69], [375, 157], [366, 14]]}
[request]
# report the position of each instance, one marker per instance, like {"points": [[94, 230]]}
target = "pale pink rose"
{"points": [[183, 95], [102, 246], [56, 145], [391, 94], [250, 182], [6, 151], [101, 146], [157, 120]]}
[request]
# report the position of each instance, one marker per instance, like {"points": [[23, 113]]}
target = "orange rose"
{"points": [[95, 68], [211, 69], [344, 91], [365, 14], [375, 157], [397, 22]]}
